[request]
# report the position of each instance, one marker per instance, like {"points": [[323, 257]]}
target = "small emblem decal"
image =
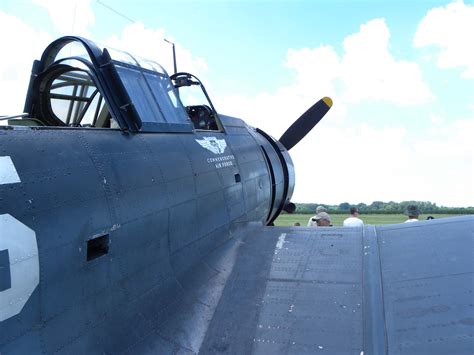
{"points": [[217, 146]]}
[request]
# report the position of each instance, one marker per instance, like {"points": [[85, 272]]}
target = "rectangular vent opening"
{"points": [[97, 247], [237, 177], [5, 274]]}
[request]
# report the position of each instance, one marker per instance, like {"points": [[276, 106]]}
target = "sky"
{"points": [[400, 74]]}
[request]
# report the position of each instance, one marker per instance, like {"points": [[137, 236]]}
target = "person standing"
{"points": [[312, 220], [353, 220], [413, 213], [322, 219]]}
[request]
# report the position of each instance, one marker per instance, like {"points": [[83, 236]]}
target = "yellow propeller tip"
{"points": [[327, 101]]}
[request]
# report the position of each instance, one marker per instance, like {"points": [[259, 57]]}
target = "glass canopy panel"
{"points": [[165, 95], [123, 57], [140, 94], [150, 89], [160, 85], [73, 49]]}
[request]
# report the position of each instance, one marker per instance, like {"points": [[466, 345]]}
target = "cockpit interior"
{"points": [[78, 84]]}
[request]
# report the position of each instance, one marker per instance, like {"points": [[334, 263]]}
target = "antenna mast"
{"points": [[174, 55]]}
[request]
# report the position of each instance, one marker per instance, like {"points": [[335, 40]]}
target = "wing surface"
{"points": [[427, 279], [398, 289]]}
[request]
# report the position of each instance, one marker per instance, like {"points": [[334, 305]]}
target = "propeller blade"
{"points": [[305, 123]]}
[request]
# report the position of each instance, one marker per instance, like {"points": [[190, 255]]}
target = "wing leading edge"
{"points": [[400, 289]]}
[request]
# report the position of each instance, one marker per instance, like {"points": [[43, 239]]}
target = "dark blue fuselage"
{"points": [[158, 205]]}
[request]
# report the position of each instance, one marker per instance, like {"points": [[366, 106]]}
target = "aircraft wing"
{"points": [[395, 289], [398, 289]]}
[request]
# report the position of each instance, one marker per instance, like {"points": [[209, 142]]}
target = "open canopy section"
{"points": [[81, 84]]}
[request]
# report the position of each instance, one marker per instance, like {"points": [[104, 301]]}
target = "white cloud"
{"points": [[315, 68], [450, 29], [345, 163], [370, 72], [446, 160], [367, 71], [358, 162], [19, 50], [149, 43], [363, 163], [26, 43], [72, 17], [343, 160], [448, 140], [346, 160]]}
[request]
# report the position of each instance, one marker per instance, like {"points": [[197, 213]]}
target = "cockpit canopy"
{"points": [[80, 85]]}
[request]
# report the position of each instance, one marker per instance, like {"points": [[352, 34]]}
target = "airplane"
{"points": [[136, 219]]}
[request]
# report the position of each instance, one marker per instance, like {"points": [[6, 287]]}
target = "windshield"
{"points": [[86, 85], [150, 89]]}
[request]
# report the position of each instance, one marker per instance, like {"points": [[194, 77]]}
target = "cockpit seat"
{"points": [[202, 117]]}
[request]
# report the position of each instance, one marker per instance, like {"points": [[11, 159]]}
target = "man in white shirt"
{"points": [[412, 212], [312, 220], [353, 221]]}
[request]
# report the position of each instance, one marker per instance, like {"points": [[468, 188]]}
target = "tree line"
{"points": [[380, 207]]}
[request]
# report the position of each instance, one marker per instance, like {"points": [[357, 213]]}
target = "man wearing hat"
{"points": [[412, 212], [322, 219], [312, 220]]}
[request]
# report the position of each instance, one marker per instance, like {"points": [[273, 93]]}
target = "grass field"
{"points": [[337, 219]]}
